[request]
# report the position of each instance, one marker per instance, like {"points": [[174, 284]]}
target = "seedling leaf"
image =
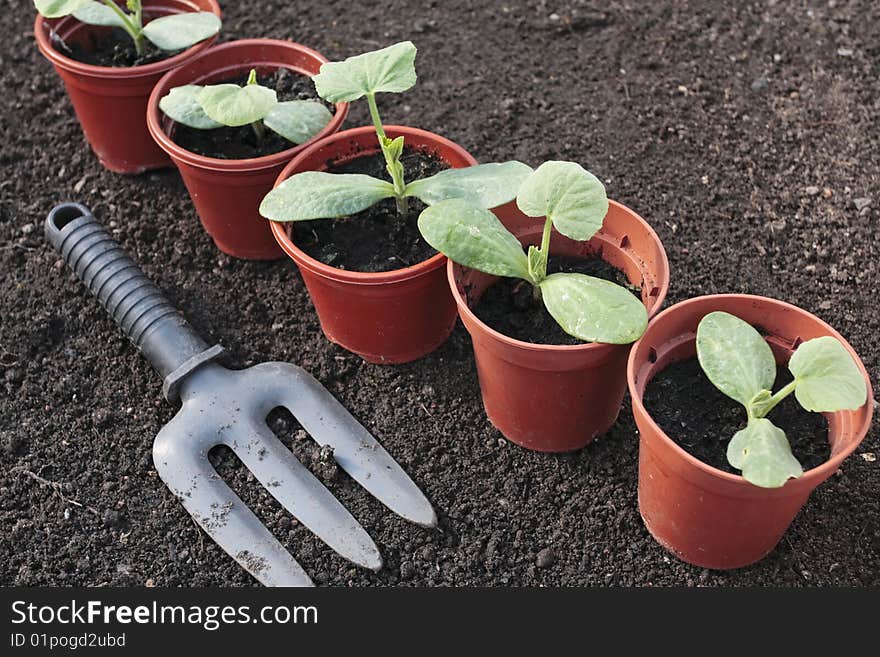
{"points": [[482, 185], [594, 310], [179, 31], [96, 13], [320, 195], [761, 451], [232, 105], [567, 194], [298, 120], [828, 378], [390, 69], [59, 8], [473, 237], [737, 360], [180, 104]]}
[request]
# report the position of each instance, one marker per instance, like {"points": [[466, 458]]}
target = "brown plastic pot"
{"points": [[110, 102], [388, 317], [227, 193], [555, 398], [703, 515]]}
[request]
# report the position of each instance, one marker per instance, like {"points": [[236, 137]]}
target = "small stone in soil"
{"points": [[111, 518], [10, 443], [545, 558]]}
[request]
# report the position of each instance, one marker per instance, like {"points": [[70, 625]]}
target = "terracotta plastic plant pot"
{"points": [[555, 398], [227, 193], [388, 317], [702, 515], [110, 102]]}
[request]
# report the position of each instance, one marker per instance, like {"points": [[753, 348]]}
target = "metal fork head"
{"points": [[229, 407]]}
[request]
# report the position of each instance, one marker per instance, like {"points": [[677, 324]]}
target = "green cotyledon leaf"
{"points": [[827, 378], [762, 452], [233, 105], [58, 8], [321, 195], [594, 310], [390, 69], [97, 13], [298, 120], [482, 185], [179, 31], [473, 237], [181, 105], [567, 194], [734, 356]]}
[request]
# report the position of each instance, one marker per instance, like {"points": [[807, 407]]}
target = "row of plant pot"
{"points": [[546, 397]]}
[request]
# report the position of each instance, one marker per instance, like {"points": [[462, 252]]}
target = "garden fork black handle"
{"points": [[137, 306]]}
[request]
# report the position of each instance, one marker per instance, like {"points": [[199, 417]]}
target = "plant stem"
{"points": [[771, 403], [545, 245], [374, 114], [139, 14], [392, 163], [131, 24], [544, 252], [259, 130]]}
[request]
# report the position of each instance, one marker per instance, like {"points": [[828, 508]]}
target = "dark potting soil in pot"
{"points": [[242, 143], [510, 308], [112, 48], [702, 420], [377, 239]]}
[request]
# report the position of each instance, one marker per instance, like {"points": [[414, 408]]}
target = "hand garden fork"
{"points": [[229, 407]]}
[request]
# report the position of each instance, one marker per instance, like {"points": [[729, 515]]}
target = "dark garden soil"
{"points": [[510, 308], [242, 142], [112, 47], [377, 239], [748, 134], [702, 420]]}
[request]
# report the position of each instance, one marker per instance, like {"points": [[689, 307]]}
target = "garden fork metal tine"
{"points": [[354, 448], [306, 498], [229, 407], [216, 508]]}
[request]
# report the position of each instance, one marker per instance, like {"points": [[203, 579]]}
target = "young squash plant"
{"points": [[215, 106], [739, 362], [321, 195], [174, 32], [573, 201]]}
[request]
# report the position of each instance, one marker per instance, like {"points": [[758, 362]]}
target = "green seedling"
{"points": [[231, 105], [739, 362], [174, 32], [321, 195], [573, 201]]}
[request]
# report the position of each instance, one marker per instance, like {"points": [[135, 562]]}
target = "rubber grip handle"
{"points": [[137, 306]]}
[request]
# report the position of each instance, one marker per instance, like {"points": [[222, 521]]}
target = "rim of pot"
{"points": [[281, 229], [657, 303], [42, 29], [170, 79], [820, 472]]}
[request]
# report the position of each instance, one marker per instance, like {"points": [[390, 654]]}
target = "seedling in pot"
{"points": [[174, 32], [739, 362], [321, 195], [231, 105], [573, 201]]}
